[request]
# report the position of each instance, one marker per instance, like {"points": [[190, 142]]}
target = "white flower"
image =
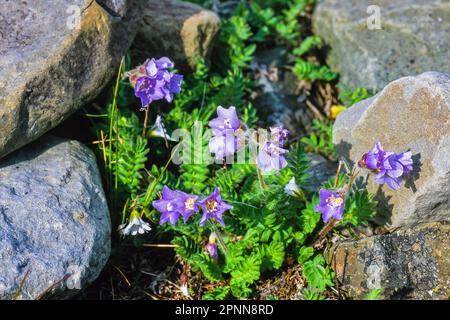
{"points": [[135, 226], [184, 290], [292, 188], [158, 129]]}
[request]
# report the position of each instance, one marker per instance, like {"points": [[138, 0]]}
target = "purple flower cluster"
{"points": [[388, 166], [154, 81], [331, 205], [271, 155], [224, 140], [175, 203]]}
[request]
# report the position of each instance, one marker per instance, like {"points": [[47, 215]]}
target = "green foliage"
{"points": [[305, 254], [321, 139], [309, 218], [232, 48], [194, 171], [289, 27], [374, 294], [360, 208], [307, 45], [350, 97], [219, 293], [318, 275], [265, 224], [244, 274], [312, 294], [306, 70], [309, 71]]}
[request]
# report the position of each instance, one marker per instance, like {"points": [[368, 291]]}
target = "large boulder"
{"points": [[411, 113], [413, 39], [410, 263], [180, 30], [54, 222], [51, 64]]}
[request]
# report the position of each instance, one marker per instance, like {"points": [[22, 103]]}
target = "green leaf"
{"points": [[374, 294], [317, 274], [219, 293], [304, 254]]}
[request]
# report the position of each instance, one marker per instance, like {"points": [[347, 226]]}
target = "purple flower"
{"points": [[224, 142], [226, 122], [175, 203], [223, 145], [393, 167], [331, 205], [173, 85], [279, 134], [374, 158], [148, 90], [211, 247], [164, 63], [271, 157], [188, 204], [388, 166], [213, 207], [169, 206], [157, 82]]}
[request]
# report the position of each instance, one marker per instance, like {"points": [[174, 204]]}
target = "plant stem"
{"points": [[113, 126], [338, 171], [262, 183], [325, 230], [147, 112], [155, 182]]}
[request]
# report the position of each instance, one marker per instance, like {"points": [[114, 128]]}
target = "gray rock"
{"points": [[413, 39], [51, 65], [54, 222], [321, 171], [181, 30], [410, 263], [412, 113]]}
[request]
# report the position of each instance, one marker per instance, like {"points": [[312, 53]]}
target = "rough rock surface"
{"points": [[278, 99], [412, 113], [413, 39], [50, 65], [184, 30], [410, 263], [54, 221]]}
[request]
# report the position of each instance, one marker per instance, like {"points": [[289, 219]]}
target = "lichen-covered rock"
{"points": [[410, 263], [54, 222], [413, 39], [411, 113], [184, 31], [56, 55]]}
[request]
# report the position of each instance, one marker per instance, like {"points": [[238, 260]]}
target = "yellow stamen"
{"points": [[211, 205], [335, 201], [189, 204]]}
